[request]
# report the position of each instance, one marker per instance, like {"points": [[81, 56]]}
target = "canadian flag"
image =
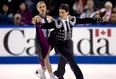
{"points": [[99, 32]]}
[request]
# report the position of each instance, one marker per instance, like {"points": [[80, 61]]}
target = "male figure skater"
{"points": [[63, 27]]}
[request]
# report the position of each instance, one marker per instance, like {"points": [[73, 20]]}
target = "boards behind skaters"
{"points": [[41, 7]]}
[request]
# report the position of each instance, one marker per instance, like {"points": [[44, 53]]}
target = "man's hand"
{"points": [[70, 17], [50, 18]]}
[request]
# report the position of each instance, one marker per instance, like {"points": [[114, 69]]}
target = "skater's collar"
{"points": [[65, 20]]}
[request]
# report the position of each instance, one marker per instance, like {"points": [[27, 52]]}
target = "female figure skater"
{"points": [[44, 41]]}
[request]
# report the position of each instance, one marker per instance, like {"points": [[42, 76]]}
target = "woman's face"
{"points": [[5, 8], [108, 7], [22, 6], [41, 8]]}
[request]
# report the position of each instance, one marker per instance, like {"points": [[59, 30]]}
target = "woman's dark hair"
{"points": [[64, 7]]}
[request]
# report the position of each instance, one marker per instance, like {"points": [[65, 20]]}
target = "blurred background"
{"points": [[93, 44], [26, 9]]}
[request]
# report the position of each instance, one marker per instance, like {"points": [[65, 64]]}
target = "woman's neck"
{"points": [[43, 14]]}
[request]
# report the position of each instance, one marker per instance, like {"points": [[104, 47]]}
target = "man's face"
{"points": [[41, 8], [113, 17], [17, 21], [90, 4], [63, 14], [114, 9]]}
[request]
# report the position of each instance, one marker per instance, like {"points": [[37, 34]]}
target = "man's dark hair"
{"points": [[64, 7]]}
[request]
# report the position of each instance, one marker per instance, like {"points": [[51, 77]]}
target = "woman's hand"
{"points": [[104, 18], [36, 19], [33, 21]]}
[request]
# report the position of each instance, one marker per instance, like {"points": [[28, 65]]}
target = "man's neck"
{"points": [[16, 23], [90, 9], [64, 18]]}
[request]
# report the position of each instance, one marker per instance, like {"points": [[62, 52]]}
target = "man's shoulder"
{"points": [[50, 18]]}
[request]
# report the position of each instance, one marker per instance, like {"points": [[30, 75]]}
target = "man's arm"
{"points": [[88, 20], [85, 20], [48, 25]]}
